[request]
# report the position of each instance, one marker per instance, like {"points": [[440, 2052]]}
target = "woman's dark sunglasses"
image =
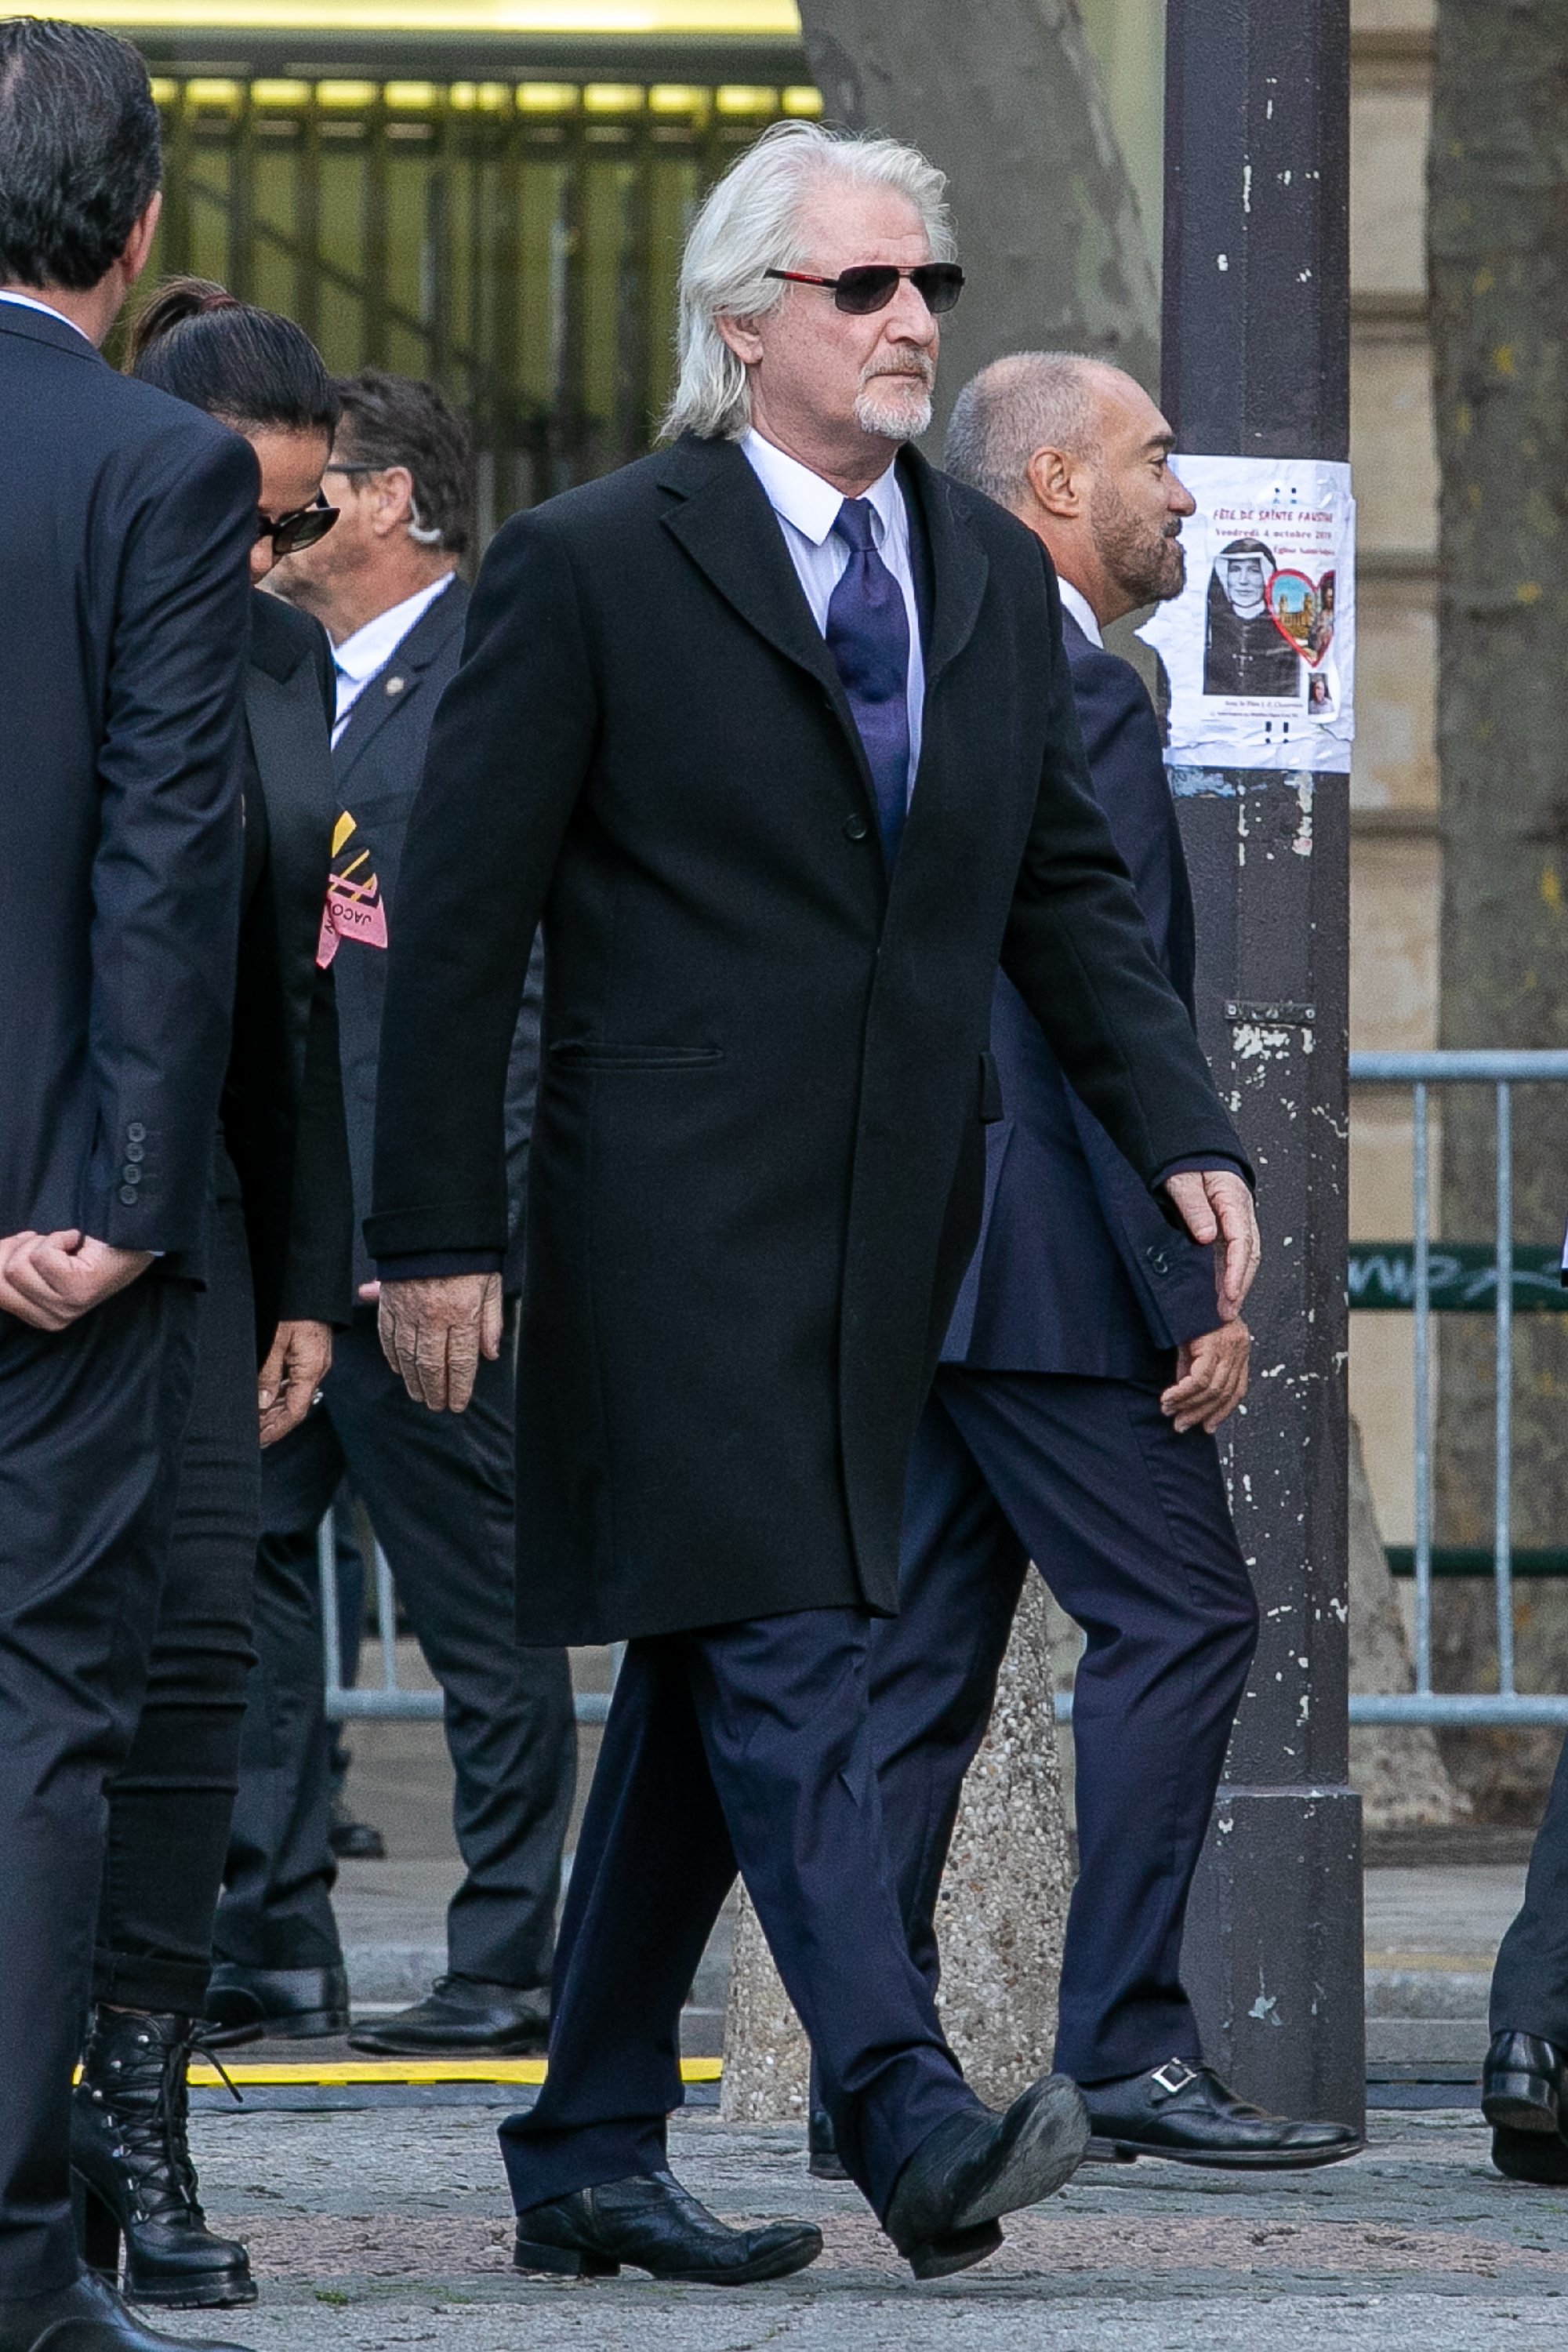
{"points": [[871, 285], [301, 529]]}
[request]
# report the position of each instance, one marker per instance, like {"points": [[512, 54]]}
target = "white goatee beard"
{"points": [[895, 420]]}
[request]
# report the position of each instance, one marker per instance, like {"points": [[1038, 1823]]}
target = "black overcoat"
{"points": [[758, 1158], [282, 1109], [377, 765]]}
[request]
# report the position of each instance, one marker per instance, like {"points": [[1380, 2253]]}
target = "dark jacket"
{"points": [[377, 765], [758, 1162], [1077, 1271], [125, 519], [283, 1102]]}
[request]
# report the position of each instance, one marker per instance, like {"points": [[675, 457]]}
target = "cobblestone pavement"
{"points": [[390, 2228]]}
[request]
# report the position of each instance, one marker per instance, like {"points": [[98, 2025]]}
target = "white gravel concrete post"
{"points": [[1000, 1917]]}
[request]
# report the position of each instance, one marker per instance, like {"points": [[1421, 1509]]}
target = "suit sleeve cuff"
{"points": [[430, 1265], [1195, 1166]]}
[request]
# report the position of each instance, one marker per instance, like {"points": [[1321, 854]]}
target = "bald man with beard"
{"points": [[1089, 1363]]}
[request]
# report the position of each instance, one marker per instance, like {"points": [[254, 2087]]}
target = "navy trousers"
{"points": [[92, 1420], [1129, 1526], [746, 1745]]}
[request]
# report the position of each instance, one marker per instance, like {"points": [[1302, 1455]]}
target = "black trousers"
{"points": [[91, 1422], [748, 1745], [170, 1802], [1129, 1526], [438, 1488], [1529, 1979]]}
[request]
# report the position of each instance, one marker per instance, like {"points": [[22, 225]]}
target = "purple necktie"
{"points": [[869, 637]]}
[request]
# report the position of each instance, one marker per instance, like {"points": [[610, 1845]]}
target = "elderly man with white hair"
{"points": [[769, 730]]}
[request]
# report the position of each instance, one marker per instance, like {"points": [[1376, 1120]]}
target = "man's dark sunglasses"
{"points": [[302, 529], [871, 285]]}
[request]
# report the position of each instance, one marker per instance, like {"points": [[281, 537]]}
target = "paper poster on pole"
{"points": [[1259, 646]]}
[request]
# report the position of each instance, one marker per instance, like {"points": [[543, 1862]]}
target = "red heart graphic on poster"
{"points": [[1303, 609]]}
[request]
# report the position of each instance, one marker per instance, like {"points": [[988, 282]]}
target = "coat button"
{"points": [[130, 1195], [134, 1151], [132, 1173], [136, 1132], [856, 828], [1160, 1259]]}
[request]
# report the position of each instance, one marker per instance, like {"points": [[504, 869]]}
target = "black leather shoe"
{"points": [[132, 2174], [1187, 2114], [824, 2160], [462, 2017], [277, 2004], [1535, 2156], [974, 2168], [88, 2317], [650, 2221], [353, 1840], [1522, 2086]]}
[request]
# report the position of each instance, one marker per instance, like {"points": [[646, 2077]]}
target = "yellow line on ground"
{"points": [[1461, 1963], [433, 2070]]}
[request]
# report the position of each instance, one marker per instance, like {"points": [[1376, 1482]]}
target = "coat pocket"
{"points": [[583, 1054]]}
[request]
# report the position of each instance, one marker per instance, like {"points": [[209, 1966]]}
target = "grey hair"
{"points": [[1029, 401], [748, 226]]}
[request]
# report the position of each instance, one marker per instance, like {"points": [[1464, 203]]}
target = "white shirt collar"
{"points": [[804, 501], [25, 302], [361, 656], [1075, 602]]}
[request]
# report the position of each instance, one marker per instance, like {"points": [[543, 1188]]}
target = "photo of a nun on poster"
{"points": [[1244, 652]]}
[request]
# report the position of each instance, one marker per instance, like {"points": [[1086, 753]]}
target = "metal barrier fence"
{"points": [[387, 1701], [1420, 1277], [1444, 1280]]}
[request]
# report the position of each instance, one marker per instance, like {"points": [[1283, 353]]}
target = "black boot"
{"points": [[132, 2175], [87, 2316]]}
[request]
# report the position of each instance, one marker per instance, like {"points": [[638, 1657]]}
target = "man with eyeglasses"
{"points": [[438, 1491], [774, 731]]}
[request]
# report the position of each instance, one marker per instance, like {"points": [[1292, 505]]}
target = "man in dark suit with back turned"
{"points": [[1087, 1366], [763, 728], [126, 524], [439, 1490]]}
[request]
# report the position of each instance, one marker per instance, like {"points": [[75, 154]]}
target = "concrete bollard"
{"points": [[1000, 1917]]}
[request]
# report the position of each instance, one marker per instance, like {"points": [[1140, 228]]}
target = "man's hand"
{"points": [[1211, 1378], [51, 1279], [1216, 1205], [433, 1331], [297, 1363]]}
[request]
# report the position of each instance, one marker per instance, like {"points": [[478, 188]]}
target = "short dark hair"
{"points": [[250, 367], [400, 420], [79, 154]]}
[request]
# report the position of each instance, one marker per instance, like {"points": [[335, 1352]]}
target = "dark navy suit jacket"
{"points": [[125, 519], [377, 765], [1078, 1270]]}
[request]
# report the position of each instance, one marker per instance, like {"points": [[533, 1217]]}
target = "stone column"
{"points": [[1000, 1917]]}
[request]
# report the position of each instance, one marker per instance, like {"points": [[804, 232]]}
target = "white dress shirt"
{"points": [[25, 302], [369, 650], [1075, 602], [807, 508]]}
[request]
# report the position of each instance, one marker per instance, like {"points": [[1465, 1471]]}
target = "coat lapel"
{"points": [[731, 532], [380, 698], [958, 564]]}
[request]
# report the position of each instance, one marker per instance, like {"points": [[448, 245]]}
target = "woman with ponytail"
{"points": [[278, 1280]]}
